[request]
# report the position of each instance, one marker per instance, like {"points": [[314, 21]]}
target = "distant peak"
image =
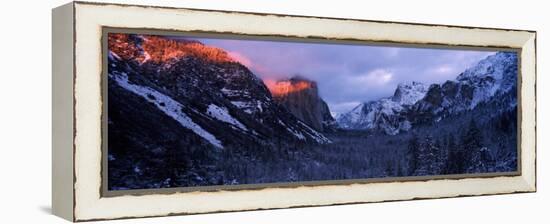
{"points": [[408, 93], [491, 66], [411, 84]]}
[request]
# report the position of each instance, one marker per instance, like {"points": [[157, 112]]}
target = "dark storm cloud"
{"points": [[349, 74]]}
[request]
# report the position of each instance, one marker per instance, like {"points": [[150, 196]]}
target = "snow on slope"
{"points": [[222, 115], [318, 137], [167, 105], [298, 134], [489, 76], [248, 105], [492, 66], [314, 134]]}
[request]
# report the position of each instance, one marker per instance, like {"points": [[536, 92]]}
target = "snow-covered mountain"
{"points": [[409, 93], [414, 103], [195, 89], [385, 114]]}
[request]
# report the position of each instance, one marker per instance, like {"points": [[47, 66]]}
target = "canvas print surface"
{"points": [[186, 111]]}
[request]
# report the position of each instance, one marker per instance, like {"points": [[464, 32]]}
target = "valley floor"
{"points": [[352, 155]]}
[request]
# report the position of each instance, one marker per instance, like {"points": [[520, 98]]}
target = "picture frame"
{"points": [[80, 160]]}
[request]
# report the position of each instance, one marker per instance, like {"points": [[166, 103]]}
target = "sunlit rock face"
{"points": [[143, 48], [301, 97]]}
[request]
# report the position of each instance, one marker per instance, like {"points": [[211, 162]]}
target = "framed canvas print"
{"points": [[164, 111]]}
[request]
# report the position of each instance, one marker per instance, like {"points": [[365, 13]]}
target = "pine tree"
{"points": [[399, 171], [412, 154], [427, 158], [449, 154], [440, 157], [390, 172], [472, 146], [482, 161]]}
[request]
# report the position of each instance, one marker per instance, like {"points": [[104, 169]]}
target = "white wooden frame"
{"points": [[77, 110]]}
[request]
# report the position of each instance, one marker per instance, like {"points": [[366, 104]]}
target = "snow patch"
{"points": [[222, 114], [248, 107], [315, 135], [231, 92], [355, 114], [113, 56], [147, 57], [294, 132], [259, 106]]}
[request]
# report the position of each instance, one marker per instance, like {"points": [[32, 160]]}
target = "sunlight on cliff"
{"points": [[160, 49], [282, 88]]}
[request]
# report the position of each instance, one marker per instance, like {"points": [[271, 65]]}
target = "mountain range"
{"points": [[222, 102], [493, 79]]}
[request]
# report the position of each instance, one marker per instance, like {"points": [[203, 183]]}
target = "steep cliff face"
{"points": [[301, 97]]}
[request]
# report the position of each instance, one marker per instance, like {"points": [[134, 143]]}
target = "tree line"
{"points": [[450, 154]]}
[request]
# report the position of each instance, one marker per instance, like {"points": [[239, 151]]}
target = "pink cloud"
{"points": [[241, 58], [263, 71]]}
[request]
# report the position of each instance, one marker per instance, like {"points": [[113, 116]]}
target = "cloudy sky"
{"points": [[349, 74]]}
